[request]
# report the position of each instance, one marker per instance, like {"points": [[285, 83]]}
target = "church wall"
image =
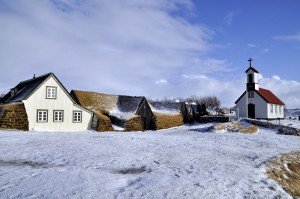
{"points": [[261, 106], [274, 115], [241, 106]]}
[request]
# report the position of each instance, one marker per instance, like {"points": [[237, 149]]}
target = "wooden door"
{"points": [[251, 111]]}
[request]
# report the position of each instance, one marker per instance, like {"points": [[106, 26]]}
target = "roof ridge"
{"points": [[251, 67], [35, 78], [107, 93]]}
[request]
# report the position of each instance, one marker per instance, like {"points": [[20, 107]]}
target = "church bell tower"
{"points": [[252, 77]]}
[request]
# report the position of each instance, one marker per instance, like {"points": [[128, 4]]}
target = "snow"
{"points": [[117, 128], [288, 122], [182, 162], [121, 115]]}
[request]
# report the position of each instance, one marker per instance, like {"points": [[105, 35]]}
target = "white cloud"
{"points": [[161, 82], [276, 77], [251, 45], [295, 37], [228, 18], [123, 47], [110, 46], [229, 89], [287, 90], [264, 51]]}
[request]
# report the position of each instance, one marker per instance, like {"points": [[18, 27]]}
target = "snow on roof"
{"points": [[120, 106], [171, 108]]}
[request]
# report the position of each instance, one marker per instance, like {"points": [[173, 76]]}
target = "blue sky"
{"points": [[157, 48], [251, 29]]}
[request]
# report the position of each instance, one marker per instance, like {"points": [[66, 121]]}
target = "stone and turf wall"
{"points": [[285, 130], [164, 121], [134, 124], [13, 116], [103, 123]]}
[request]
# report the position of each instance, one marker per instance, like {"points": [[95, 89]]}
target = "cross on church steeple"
{"points": [[250, 60]]}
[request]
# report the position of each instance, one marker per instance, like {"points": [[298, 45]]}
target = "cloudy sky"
{"points": [[154, 48]]}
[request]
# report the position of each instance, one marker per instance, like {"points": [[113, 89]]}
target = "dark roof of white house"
{"points": [[24, 89]]}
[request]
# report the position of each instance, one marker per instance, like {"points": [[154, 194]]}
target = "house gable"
{"points": [[38, 101], [61, 86], [266, 95], [240, 97], [144, 109]]}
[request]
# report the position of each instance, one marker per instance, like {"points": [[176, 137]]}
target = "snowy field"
{"points": [[183, 162], [294, 122]]}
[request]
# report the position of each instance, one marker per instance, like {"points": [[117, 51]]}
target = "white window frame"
{"points": [[280, 110], [77, 116], [271, 108], [51, 92], [42, 116], [58, 116], [276, 109]]}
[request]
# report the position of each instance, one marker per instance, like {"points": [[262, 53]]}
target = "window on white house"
{"points": [[51, 92], [276, 109], [77, 116], [280, 109], [58, 116], [251, 94], [42, 116], [271, 108]]}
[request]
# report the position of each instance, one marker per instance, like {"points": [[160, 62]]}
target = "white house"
{"points": [[256, 102], [48, 105]]}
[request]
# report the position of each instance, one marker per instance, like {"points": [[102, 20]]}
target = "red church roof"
{"points": [[269, 96], [252, 68]]}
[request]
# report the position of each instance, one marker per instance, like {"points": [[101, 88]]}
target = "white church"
{"points": [[256, 102]]}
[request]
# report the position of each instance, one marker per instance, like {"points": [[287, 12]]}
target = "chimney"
{"points": [[33, 76]]}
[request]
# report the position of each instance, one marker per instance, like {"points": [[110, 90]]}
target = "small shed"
{"points": [[132, 113], [169, 114]]}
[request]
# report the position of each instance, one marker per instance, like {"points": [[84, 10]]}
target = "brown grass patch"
{"points": [[164, 121], [104, 123], [96, 101], [249, 130], [285, 170], [236, 127], [134, 124], [14, 116]]}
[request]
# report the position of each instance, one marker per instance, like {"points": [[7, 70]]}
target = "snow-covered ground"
{"points": [[294, 122], [183, 162]]}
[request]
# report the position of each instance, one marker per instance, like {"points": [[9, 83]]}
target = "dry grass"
{"points": [[285, 170], [134, 124], [236, 127], [13, 116], [104, 123], [96, 101], [249, 129], [163, 121]]}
